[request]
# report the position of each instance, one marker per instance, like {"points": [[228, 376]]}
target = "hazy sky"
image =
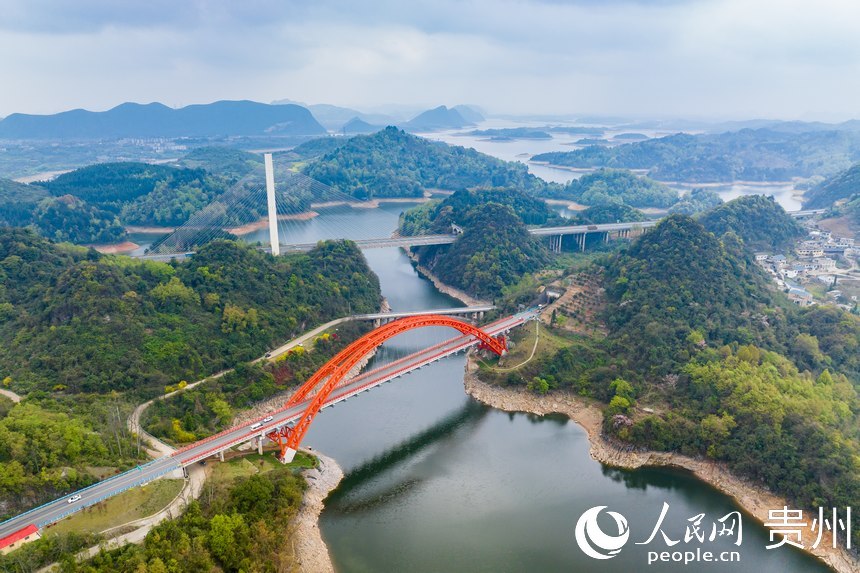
{"points": [[694, 58]]}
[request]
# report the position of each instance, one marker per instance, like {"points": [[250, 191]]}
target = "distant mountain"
{"points": [[470, 113], [358, 125], [222, 118], [333, 117], [746, 155], [841, 186], [437, 118]]}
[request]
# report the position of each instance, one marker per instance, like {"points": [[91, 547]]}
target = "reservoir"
{"points": [[435, 481]]}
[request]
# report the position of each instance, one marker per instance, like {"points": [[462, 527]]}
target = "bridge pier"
{"points": [[221, 455], [582, 242], [555, 243], [260, 445], [289, 455]]}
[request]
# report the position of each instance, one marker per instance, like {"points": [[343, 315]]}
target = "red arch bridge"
{"points": [[286, 427]]}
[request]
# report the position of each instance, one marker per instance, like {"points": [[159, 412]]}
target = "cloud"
{"points": [[695, 58]]}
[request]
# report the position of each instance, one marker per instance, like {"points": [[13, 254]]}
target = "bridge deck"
{"points": [[60, 508]]}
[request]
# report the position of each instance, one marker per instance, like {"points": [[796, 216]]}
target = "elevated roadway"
{"points": [[145, 473]]}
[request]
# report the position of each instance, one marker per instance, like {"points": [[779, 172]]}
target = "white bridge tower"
{"points": [[273, 209]]}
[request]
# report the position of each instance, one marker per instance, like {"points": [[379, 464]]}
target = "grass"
{"points": [[523, 338], [251, 464], [128, 506]]}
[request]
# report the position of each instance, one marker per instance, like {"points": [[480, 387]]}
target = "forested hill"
{"points": [[844, 185], [760, 221], [730, 369], [678, 278], [392, 163], [617, 186], [221, 118], [746, 155], [76, 321], [438, 216], [495, 251]]}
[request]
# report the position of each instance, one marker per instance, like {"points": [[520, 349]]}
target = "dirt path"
{"points": [[191, 490], [11, 395], [754, 498]]}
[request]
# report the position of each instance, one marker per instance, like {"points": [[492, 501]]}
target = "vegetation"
{"points": [[92, 323], [52, 445], [140, 193], [437, 216], [203, 411], [727, 367], [845, 185], [607, 213], [745, 155], [696, 201], [222, 161], [130, 505], [617, 186], [495, 250], [70, 219], [759, 221], [64, 218], [392, 163], [239, 524]]}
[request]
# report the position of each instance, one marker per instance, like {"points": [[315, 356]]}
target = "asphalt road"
{"points": [[60, 508]]}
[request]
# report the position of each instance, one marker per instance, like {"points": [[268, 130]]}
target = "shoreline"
{"points": [[263, 223], [753, 499], [311, 552], [587, 170], [460, 295], [116, 248]]}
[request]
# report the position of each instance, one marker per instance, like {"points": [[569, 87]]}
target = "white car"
{"points": [[74, 498], [267, 419], [257, 425]]}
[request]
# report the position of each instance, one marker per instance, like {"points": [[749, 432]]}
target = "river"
{"points": [[522, 149], [436, 481]]}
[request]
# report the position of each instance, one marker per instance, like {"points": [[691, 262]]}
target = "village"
{"points": [[822, 269]]}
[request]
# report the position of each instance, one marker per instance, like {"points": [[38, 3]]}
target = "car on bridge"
{"points": [[74, 498]]}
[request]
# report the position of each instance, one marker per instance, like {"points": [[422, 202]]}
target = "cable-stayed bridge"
{"points": [[256, 203]]}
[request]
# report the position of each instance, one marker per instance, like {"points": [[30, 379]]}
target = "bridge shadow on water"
{"points": [[355, 494]]}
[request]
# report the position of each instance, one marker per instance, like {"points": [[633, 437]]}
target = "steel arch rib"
{"points": [[327, 378]]}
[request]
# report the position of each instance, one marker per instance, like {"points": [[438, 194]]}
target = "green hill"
{"points": [[760, 221], [144, 194], [495, 251], [437, 216], [844, 185], [99, 323], [392, 163], [226, 161], [617, 186], [18, 201], [678, 278]]}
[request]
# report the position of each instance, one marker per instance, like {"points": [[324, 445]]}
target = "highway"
{"points": [[60, 508], [425, 240]]}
